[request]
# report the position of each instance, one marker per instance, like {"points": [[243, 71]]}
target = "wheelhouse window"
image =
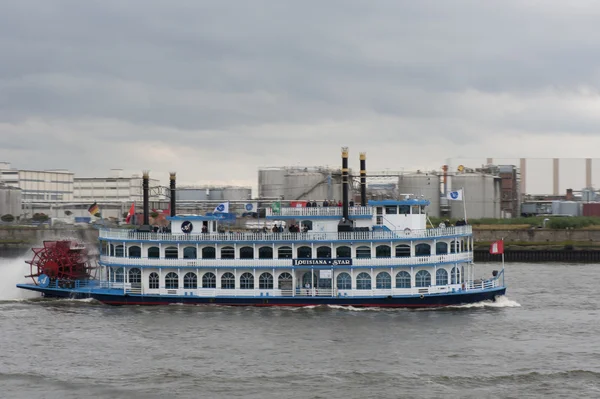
{"points": [[246, 253], [265, 253], [247, 281], [265, 281], [344, 281], [190, 281], [422, 249], [135, 276], [383, 251], [209, 253], [284, 253], [304, 252], [343, 252], [416, 209], [324, 252], [190, 253], [171, 281], [227, 253], [403, 279], [383, 281], [391, 210], [171, 253], [404, 209], [135, 252], [441, 277], [441, 248], [153, 281], [228, 281], [285, 281], [363, 252], [402, 251], [422, 278], [209, 280], [363, 281]]}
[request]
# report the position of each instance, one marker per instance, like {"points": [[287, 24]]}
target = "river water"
{"points": [[541, 340]]}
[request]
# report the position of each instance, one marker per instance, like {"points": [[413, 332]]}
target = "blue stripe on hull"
{"points": [[434, 300]]}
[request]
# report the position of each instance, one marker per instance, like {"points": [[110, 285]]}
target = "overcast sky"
{"points": [[216, 89]]}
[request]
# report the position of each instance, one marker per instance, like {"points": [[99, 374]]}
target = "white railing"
{"points": [[284, 263], [132, 235], [321, 211]]}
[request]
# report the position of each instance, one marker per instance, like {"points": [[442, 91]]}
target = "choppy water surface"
{"points": [[541, 340]]}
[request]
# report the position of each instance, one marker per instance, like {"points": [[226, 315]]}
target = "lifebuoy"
{"points": [[422, 296]]}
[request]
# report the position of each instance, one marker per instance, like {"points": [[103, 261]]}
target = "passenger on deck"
{"points": [[314, 204], [351, 202], [325, 203], [339, 203], [308, 204], [274, 229]]}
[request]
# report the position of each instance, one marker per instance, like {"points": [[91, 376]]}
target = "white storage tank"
{"points": [[191, 194], [236, 193], [271, 182], [10, 201], [425, 185], [481, 193]]}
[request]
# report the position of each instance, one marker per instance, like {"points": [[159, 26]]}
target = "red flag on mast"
{"points": [[497, 247], [130, 213]]}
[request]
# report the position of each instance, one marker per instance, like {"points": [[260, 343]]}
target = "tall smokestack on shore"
{"points": [[345, 181], [363, 179], [145, 191], [173, 200]]}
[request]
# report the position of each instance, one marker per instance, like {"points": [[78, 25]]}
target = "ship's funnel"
{"points": [[145, 191], [363, 179], [173, 199]]}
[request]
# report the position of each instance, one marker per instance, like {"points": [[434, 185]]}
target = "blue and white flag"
{"points": [[222, 207], [455, 195], [251, 207]]}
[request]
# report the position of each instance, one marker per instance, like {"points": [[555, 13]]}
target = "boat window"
{"points": [[153, 253], [228, 281], [403, 280], [441, 248], [415, 209], [363, 281], [119, 251], [118, 276], [441, 277], [190, 253], [402, 251], [227, 253], [171, 281], [383, 281], [422, 279], [190, 281], [284, 253], [135, 252], [404, 209], [285, 281], [462, 274], [363, 252], [379, 210], [105, 248], [153, 281], [383, 251], [344, 281], [209, 280], [307, 224], [304, 252], [422, 249], [171, 253], [462, 246], [265, 253], [209, 253], [135, 276], [423, 210], [324, 252], [111, 250], [265, 281], [247, 281], [391, 210], [343, 252], [309, 280], [453, 275], [453, 247], [246, 253]]}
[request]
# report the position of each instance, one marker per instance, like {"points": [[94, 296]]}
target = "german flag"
{"points": [[94, 208]]}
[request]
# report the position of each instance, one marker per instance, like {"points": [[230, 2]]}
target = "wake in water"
{"points": [[13, 271], [501, 302]]}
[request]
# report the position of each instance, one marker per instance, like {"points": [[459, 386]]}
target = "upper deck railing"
{"points": [[132, 235], [321, 211]]}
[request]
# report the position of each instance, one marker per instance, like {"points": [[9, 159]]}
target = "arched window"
{"points": [[209, 280], [383, 251], [310, 279], [227, 253], [343, 252], [171, 253], [190, 281], [135, 252], [402, 251], [363, 281], [441, 277], [105, 248], [441, 248], [247, 281], [135, 276], [324, 252], [153, 281], [190, 253], [422, 249], [422, 279], [403, 279], [363, 252], [344, 281], [462, 274], [265, 253], [171, 281], [209, 253], [228, 281], [304, 252], [265, 281], [284, 253], [383, 280], [118, 275], [455, 275], [119, 251], [284, 282], [153, 253], [246, 253], [453, 247], [307, 224]]}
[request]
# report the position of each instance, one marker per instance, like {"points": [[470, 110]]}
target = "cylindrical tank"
{"points": [[556, 207], [481, 196], [10, 201], [425, 185], [588, 194], [570, 208], [191, 194], [236, 193], [271, 182]]}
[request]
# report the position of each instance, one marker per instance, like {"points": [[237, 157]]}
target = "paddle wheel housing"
{"points": [[60, 260]]}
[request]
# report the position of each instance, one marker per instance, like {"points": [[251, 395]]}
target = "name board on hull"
{"points": [[322, 262]]}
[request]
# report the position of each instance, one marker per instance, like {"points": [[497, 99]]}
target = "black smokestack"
{"points": [[363, 179], [173, 200], [145, 190], [345, 181]]}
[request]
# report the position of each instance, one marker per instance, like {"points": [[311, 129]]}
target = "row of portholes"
{"points": [[284, 252], [383, 280]]}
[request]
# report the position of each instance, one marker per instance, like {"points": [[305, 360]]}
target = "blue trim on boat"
{"points": [[399, 202]]}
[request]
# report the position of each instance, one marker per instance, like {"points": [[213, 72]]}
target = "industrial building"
{"points": [[10, 201], [44, 185], [300, 183], [114, 188]]}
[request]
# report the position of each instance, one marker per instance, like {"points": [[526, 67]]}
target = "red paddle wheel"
{"points": [[60, 260]]}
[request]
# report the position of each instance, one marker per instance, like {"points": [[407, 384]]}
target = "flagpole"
{"points": [[464, 203]]}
